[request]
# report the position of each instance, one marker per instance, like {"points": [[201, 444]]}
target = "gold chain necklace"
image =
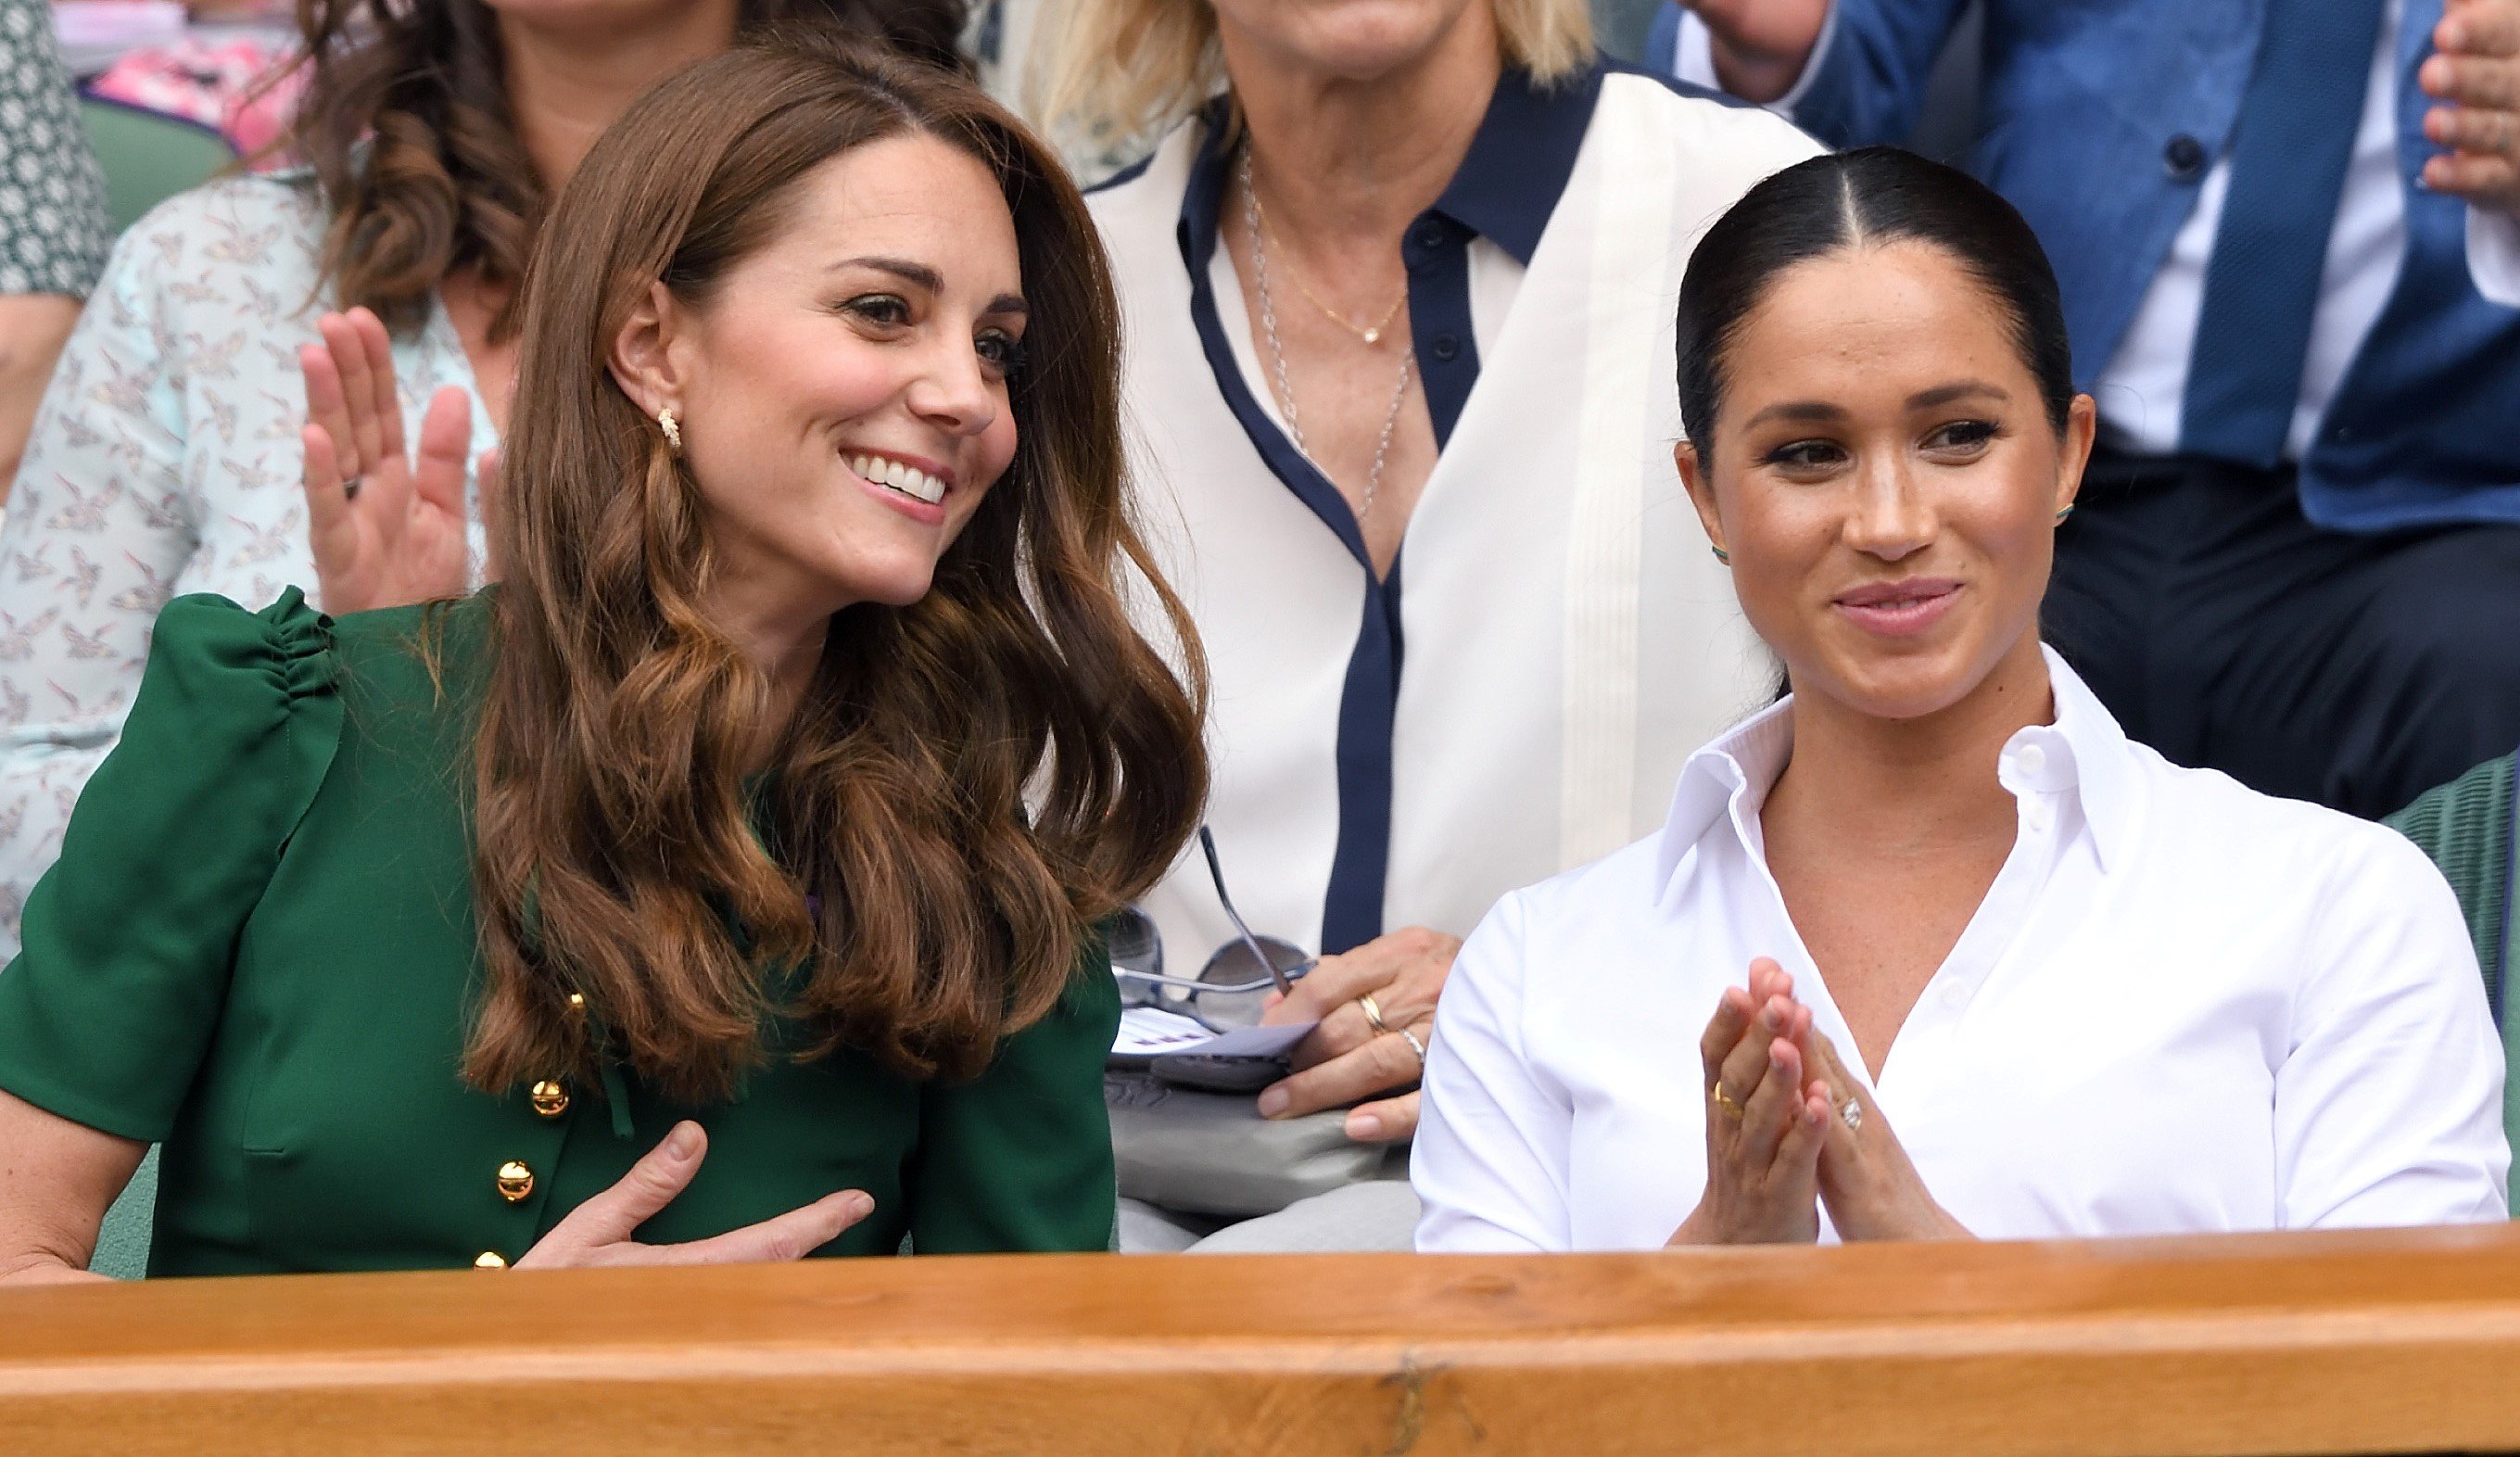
{"points": [[1277, 358], [1372, 334]]}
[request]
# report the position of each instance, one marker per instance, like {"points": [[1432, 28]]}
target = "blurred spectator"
{"points": [[53, 227], [1399, 309], [2289, 236], [167, 458]]}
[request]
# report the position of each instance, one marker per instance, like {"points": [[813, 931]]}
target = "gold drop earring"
{"points": [[673, 431]]}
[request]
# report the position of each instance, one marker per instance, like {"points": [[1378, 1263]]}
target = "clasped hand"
{"points": [[1779, 1143]]}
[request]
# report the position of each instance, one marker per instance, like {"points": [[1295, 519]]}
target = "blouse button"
{"points": [[2032, 758], [516, 1181], [488, 1259], [1955, 994], [2036, 815], [2184, 157], [549, 1098]]}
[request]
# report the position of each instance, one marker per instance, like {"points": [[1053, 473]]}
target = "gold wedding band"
{"points": [[1725, 1101], [1373, 1014]]}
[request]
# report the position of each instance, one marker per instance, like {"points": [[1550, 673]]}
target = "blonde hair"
{"points": [[1112, 71]]}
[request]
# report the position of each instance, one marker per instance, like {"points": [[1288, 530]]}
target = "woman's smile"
{"points": [[1906, 608], [911, 484]]}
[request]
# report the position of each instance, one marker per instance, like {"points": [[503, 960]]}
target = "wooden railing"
{"points": [[2306, 1343]]}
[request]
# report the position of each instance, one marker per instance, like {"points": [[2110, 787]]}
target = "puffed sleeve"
{"points": [[107, 1011], [1020, 1158], [1490, 1159]]}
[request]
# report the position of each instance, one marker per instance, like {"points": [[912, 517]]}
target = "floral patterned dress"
{"points": [[53, 220], [164, 460]]}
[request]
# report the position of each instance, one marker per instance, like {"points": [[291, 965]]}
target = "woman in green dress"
{"points": [[721, 885]]}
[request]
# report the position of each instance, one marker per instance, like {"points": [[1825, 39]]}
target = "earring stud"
{"points": [[1721, 555], [2062, 514], [673, 431]]}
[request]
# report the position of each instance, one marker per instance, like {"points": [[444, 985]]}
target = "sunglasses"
{"points": [[1230, 990]]}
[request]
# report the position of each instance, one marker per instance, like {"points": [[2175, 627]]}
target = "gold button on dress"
{"points": [[488, 1259], [549, 1098], [516, 1181]]}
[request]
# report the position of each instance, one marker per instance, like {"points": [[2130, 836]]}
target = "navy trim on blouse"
{"points": [[1507, 186]]}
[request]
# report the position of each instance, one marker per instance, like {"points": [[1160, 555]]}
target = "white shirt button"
{"points": [[2036, 815], [2032, 758], [1955, 994]]}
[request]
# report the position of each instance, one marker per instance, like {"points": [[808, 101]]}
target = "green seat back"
{"points": [[122, 1242], [2466, 826], [149, 157]]}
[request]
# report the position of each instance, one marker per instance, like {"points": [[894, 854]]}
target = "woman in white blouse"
{"points": [[1954, 956], [1396, 286], [167, 457]]}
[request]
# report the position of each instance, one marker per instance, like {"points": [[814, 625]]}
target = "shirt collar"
{"points": [[2098, 762], [1509, 183], [2084, 752]]}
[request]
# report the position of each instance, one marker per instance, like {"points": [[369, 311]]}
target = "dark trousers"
{"points": [[2226, 630]]}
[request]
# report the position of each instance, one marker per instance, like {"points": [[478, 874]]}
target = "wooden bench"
{"points": [[2395, 1341]]}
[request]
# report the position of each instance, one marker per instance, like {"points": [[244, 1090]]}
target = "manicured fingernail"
{"points": [[683, 1142], [1364, 1125], [1273, 1103], [858, 1206]]}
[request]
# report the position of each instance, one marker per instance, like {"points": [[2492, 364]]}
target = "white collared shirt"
{"points": [[2183, 1007]]}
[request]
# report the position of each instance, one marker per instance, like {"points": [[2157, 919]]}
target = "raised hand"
{"points": [[1761, 46], [2476, 71], [1765, 1120], [1871, 1187], [601, 1231], [388, 528], [1347, 1057]]}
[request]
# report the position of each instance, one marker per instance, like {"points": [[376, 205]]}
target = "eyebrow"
{"points": [[924, 277], [1823, 412]]}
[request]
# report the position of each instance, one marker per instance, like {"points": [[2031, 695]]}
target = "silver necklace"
{"points": [[1278, 352]]}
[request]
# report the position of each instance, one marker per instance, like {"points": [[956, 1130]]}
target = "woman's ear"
{"points": [[645, 359], [1702, 494], [2082, 429]]}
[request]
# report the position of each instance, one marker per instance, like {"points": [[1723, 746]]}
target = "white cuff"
{"points": [[2494, 254], [1693, 59]]}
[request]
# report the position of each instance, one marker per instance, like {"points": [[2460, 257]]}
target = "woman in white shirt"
{"points": [[1957, 958], [1397, 303]]}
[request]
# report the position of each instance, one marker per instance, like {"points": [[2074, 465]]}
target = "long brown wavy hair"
{"points": [[969, 783], [406, 123]]}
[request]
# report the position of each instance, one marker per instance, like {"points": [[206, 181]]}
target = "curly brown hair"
{"points": [[405, 121], [969, 784]]}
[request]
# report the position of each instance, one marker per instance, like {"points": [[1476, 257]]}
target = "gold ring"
{"points": [[1373, 1014], [1723, 1100]]}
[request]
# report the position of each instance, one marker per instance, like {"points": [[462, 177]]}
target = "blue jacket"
{"points": [[2099, 118]]}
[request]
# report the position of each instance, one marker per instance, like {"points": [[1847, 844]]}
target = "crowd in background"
{"points": [[1498, 561]]}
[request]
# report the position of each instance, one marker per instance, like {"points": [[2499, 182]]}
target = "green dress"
{"points": [[257, 949]]}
